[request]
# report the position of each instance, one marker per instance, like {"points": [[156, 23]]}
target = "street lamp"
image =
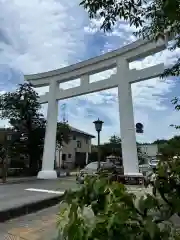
{"points": [[98, 126]]}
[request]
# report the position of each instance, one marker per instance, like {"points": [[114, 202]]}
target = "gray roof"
{"points": [[72, 129], [81, 132]]}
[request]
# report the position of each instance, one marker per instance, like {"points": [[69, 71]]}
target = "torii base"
{"points": [[47, 174], [129, 179]]}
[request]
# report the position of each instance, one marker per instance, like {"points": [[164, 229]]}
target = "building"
{"points": [[5, 135], [75, 153], [150, 151]]}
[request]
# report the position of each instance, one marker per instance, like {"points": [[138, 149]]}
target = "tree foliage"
{"points": [[103, 209], [153, 19], [142, 157], [21, 108], [176, 103], [112, 147], [170, 147], [63, 133], [3, 162], [115, 140]]}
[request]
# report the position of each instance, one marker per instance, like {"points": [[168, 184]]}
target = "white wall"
{"points": [[150, 150], [71, 148]]}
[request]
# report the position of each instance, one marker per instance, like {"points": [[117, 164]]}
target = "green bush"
{"points": [[103, 209]]}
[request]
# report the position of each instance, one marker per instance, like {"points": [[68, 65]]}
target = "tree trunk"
{"points": [[4, 171], [33, 166]]}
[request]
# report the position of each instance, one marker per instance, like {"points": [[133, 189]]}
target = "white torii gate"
{"points": [[123, 79]]}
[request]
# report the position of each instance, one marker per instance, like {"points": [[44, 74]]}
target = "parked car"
{"points": [[153, 163], [91, 169]]}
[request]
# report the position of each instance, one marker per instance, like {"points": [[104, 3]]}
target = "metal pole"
{"points": [[60, 157], [59, 162], [99, 156]]}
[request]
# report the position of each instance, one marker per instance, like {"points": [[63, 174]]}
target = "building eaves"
{"points": [[81, 132]]}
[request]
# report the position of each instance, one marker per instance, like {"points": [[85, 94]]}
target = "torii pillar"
{"points": [[47, 171], [126, 116]]}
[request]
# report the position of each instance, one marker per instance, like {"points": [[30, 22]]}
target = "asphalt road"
{"points": [[16, 194]]}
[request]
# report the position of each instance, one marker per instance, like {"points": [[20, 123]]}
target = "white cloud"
{"points": [[43, 35], [37, 36], [148, 93]]}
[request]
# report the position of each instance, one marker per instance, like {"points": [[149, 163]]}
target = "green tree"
{"points": [[115, 140], [154, 19], [3, 162], [170, 148], [63, 133], [63, 136], [112, 147], [141, 156], [21, 108], [160, 141], [176, 103]]}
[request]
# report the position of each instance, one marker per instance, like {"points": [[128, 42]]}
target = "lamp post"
{"points": [[98, 126], [60, 147]]}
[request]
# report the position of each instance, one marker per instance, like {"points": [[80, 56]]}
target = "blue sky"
{"points": [[37, 36]]}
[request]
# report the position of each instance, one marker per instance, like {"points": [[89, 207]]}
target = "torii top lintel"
{"points": [[131, 52]]}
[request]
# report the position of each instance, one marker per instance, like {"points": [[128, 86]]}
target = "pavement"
{"points": [[36, 226], [21, 198]]}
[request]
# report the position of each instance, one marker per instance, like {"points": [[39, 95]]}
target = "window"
{"points": [[74, 137], [78, 144], [87, 141], [69, 155], [64, 157], [9, 137]]}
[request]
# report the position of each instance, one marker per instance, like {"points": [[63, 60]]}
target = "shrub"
{"points": [[103, 209]]}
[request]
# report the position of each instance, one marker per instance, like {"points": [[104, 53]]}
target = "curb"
{"points": [[29, 208], [29, 180], [19, 181], [73, 173]]}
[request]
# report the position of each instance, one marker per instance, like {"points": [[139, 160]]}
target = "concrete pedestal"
{"points": [[47, 174], [135, 174]]}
